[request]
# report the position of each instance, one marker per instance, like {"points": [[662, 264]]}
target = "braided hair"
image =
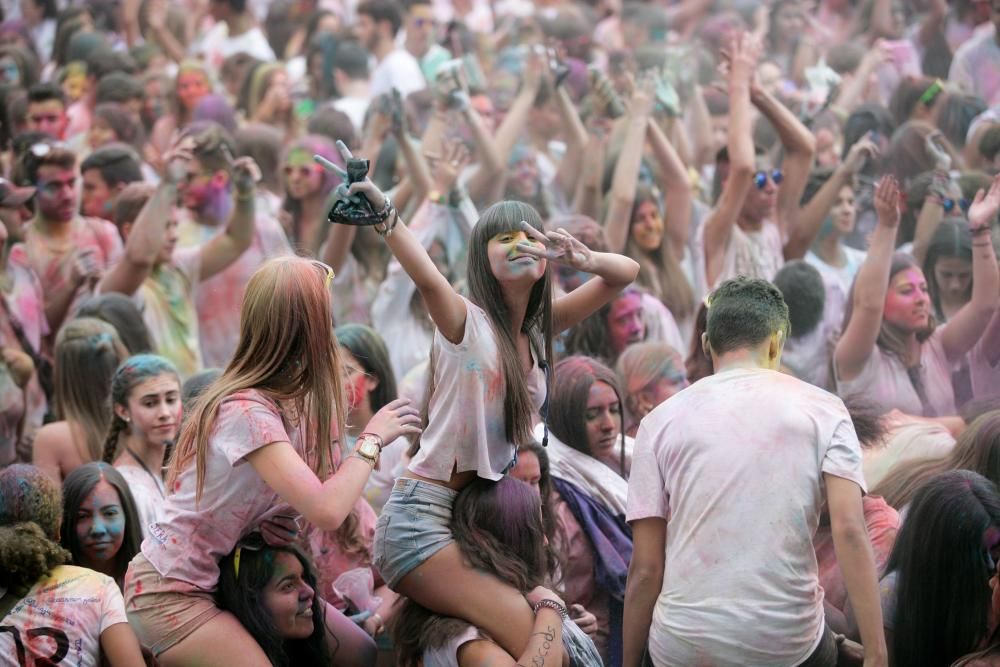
{"points": [[131, 372]]}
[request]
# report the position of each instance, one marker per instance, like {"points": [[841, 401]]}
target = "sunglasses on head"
{"points": [[761, 177]]}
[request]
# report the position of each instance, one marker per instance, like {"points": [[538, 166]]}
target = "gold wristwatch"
{"points": [[368, 447]]}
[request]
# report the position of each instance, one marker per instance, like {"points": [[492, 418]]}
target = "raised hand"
{"points": [[983, 211], [176, 159], [447, 167], [863, 150], [280, 530], [19, 365], [84, 266], [395, 419], [558, 246], [357, 201], [246, 175], [887, 201], [942, 159]]}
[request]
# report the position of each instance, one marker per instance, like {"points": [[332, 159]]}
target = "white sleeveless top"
{"points": [[465, 429]]}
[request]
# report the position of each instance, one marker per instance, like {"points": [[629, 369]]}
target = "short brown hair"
{"points": [[56, 156]]}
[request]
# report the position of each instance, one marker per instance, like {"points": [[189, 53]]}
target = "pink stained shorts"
{"points": [[163, 611]]}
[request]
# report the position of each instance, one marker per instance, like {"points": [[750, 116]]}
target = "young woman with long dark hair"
{"points": [[487, 383]]}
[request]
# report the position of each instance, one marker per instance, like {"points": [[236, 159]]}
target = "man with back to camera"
{"points": [[737, 466]]}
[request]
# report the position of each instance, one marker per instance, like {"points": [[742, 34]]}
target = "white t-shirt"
{"points": [[217, 45], [465, 429], [842, 276], [736, 463], [397, 70], [148, 493], [355, 108], [191, 538], [754, 254], [61, 619]]}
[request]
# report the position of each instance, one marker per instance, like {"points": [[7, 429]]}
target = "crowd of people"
{"points": [[538, 333]]}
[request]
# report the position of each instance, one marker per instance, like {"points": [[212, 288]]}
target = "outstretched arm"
{"points": [[226, 248], [963, 330], [720, 223], [811, 216], [799, 145], [871, 285], [444, 305], [149, 231], [626, 177], [676, 188]]}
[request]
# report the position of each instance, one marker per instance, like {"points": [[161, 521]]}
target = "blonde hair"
{"points": [[287, 351], [88, 351], [642, 364]]}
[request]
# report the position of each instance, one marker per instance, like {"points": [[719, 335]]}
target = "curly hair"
{"points": [[30, 512]]}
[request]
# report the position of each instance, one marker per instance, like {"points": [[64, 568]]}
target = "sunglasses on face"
{"points": [[949, 205], [761, 177]]}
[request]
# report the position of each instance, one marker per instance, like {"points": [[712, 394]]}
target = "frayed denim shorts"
{"points": [[414, 525]]}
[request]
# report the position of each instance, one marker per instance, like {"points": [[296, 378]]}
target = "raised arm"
{"points": [[811, 216], [799, 145], [857, 342], [626, 177], [720, 222], [932, 212], [444, 305], [149, 231], [576, 143], [589, 199], [676, 187], [491, 163], [226, 248], [963, 330]]}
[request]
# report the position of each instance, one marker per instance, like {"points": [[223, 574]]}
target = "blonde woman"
{"points": [[88, 351], [257, 451]]}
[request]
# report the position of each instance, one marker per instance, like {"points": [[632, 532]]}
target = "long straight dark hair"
{"points": [[498, 528], [568, 403], [76, 487], [485, 292], [943, 566]]}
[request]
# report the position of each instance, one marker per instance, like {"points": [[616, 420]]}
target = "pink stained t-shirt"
{"points": [[465, 429], [885, 381], [735, 464], [219, 299], [882, 522], [189, 539], [53, 263]]}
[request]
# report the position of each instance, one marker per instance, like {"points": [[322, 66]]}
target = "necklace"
{"points": [[142, 464]]}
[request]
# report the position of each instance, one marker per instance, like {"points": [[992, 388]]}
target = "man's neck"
{"points": [[830, 251], [356, 88], [383, 49], [739, 359], [418, 51], [53, 229], [239, 24]]}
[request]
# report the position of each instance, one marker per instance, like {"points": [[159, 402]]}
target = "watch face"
{"points": [[368, 446]]}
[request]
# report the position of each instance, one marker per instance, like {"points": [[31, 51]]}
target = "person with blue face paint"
{"points": [[100, 525]]}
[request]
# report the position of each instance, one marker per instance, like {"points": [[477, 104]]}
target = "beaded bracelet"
{"points": [[554, 606]]}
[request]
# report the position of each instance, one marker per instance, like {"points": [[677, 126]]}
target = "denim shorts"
{"points": [[414, 525]]}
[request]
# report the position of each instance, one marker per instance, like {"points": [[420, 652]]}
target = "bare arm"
{"points": [[811, 216], [144, 243], [417, 169], [931, 215], [857, 562], [991, 339], [699, 123], [327, 503], [589, 193], [120, 647], [491, 163], [45, 452], [224, 249], [720, 222], [963, 330], [576, 135], [799, 145], [645, 579], [676, 188], [857, 342], [882, 23], [444, 305], [626, 178], [934, 22], [544, 648]]}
